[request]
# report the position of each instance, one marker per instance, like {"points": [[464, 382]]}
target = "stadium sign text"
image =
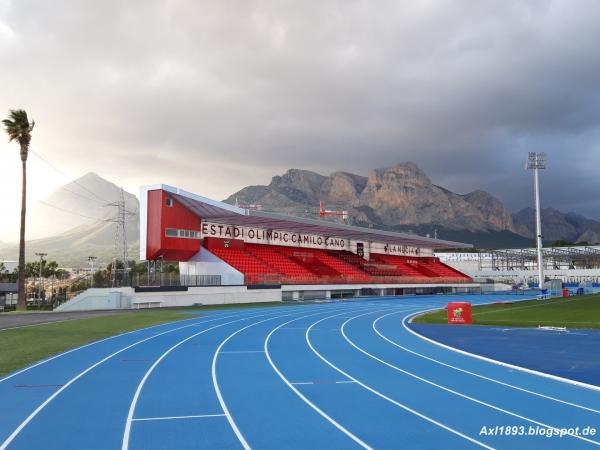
{"points": [[274, 237], [257, 235], [404, 250]]}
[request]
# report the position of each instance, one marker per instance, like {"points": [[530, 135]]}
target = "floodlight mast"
{"points": [[535, 162]]}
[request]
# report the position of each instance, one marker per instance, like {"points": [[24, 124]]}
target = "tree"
{"points": [[4, 275], [19, 129], [561, 243]]}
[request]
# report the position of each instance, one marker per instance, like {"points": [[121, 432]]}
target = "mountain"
{"points": [[403, 198], [76, 203], [389, 197], [558, 226], [76, 221]]}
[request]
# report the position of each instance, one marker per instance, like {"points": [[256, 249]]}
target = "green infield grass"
{"points": [[20, 347], [571, 312]]}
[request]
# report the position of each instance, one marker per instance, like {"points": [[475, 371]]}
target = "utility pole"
{"points": [[535, 162], [91, 260], [41, 255], [120, 237]]}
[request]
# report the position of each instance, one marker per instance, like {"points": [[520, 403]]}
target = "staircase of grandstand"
{"points": [[267, 264]]}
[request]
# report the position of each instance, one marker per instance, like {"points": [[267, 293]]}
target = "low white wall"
{"points": [[207, 295], [99, 298], [338, 287], [126, 298]]}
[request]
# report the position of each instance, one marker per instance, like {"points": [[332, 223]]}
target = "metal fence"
{"points": [[158, 279]]}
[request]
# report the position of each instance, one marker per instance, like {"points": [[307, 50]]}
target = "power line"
{"points": [[98, 198], [75, 213], [66, 176]]}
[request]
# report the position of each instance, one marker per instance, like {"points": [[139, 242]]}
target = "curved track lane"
{"points": [[337, 375]]}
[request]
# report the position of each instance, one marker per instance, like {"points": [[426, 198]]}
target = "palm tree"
{"points": [[19, 129]]}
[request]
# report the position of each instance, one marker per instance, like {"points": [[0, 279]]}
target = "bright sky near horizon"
{"points": [[216, 95]]}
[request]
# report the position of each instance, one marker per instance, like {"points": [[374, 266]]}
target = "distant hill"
{"points": [[558, 226], [402, 197], [75, 222]]}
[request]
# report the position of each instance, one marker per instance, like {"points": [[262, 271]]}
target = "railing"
{"points": [[174, 280], [351, 279], [157, 279]]}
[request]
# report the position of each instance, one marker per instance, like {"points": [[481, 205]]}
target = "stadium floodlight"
{"points": [[535, 162]]}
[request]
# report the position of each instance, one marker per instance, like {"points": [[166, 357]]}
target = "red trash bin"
{"points": [[459, 313], [565, 292]]}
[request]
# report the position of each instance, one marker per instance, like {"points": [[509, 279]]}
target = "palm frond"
{"points": [[18, 126]]}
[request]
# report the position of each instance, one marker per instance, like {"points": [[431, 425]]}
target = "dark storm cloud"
{"points": [[239, 90]]}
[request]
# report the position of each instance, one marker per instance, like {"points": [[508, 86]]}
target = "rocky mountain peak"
{"points": [[299, 185], [404, 176]]}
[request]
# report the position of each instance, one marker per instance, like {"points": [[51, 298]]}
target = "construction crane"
{"points": [[327, 212], [251, 206]]}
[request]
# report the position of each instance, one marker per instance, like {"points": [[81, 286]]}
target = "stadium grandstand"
{"points": [[249, 247]]}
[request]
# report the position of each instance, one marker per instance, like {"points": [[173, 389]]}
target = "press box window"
{"points": [[169, 202], [188, 234]]}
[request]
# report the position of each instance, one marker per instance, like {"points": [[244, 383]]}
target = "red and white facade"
{"points": [[249, 247]]}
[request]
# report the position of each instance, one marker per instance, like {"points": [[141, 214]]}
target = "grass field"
{"points": [[24, 346], [571, 312]]}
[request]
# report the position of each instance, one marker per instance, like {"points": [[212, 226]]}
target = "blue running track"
{"points": [[317, 376]]}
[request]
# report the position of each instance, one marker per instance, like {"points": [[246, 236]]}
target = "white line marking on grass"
{"points": [[385, 397], [199, 416], [493, 380], [447, 389], [48, 323], [544, 303], [494, 361], [77, 377], [141, 384]]}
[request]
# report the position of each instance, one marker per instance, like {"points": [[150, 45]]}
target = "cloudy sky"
{"points": [[216, 95]]}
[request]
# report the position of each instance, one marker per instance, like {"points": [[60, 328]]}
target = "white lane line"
{"points": [[232, 423], [493, 380], [300, 383], [44, 361], [242, 351], [77, 377], [330, 419], [444, 388], [494, 361], [199, 416], [140, 386], [385, 397]]}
